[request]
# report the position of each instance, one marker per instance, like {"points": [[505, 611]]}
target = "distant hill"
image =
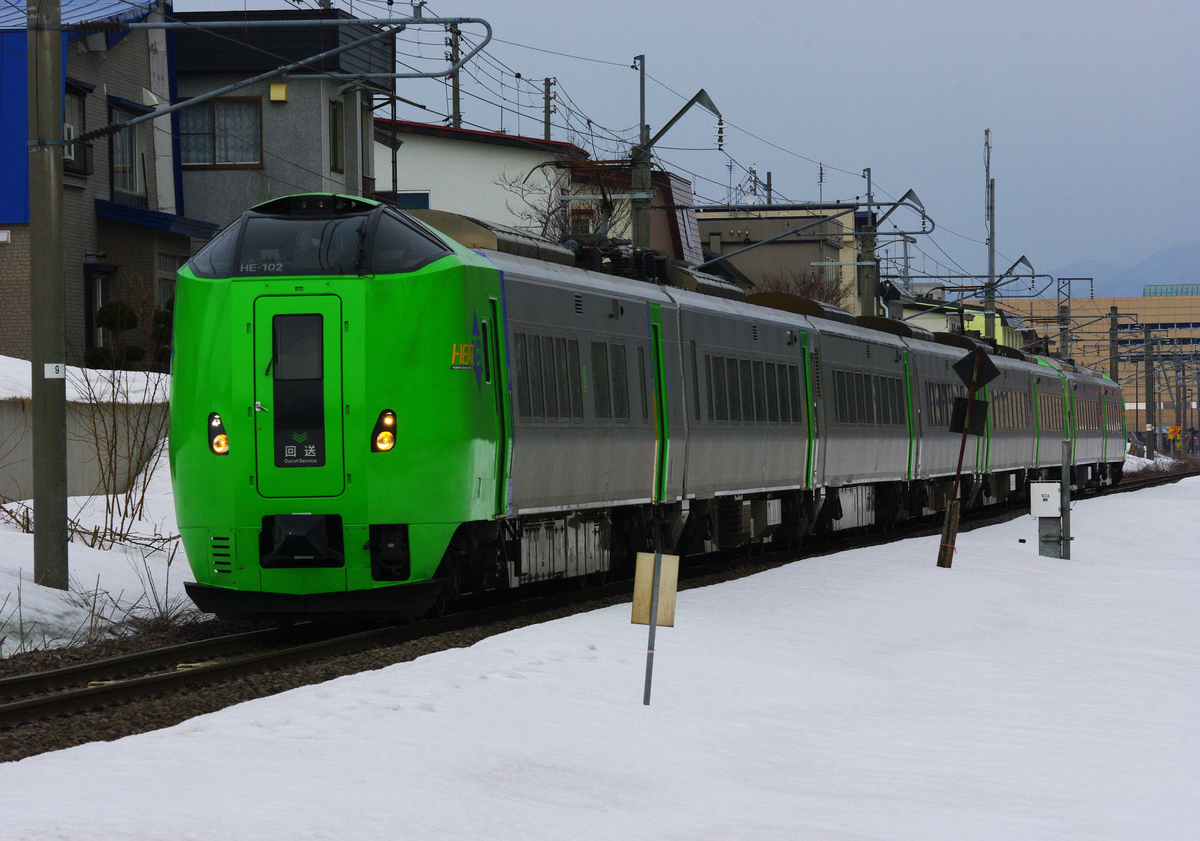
{"points": [[1173, 264]]}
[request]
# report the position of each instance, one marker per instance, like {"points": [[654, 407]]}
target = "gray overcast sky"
{"points": [[1094, 107]]}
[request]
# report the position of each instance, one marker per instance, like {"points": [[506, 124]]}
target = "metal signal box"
{"points": [[1045, 499]]}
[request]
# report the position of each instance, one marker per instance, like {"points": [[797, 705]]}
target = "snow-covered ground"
{"points": [[868, 694]]}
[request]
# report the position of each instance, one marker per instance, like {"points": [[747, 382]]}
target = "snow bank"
{"points": [[1136, 464], [83, 384], [118, 577]]}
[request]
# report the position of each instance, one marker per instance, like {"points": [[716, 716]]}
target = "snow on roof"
{"points": [[134, 386]]}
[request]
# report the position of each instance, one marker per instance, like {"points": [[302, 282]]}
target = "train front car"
{"points": [[335, 413]]}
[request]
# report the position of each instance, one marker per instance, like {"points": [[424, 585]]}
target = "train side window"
{"points": [[563, 377], [747, 391], [521, 361], [600, 380], [400, 245], [642, 381], [620, 381], [717, 389], [548, 380], [772, 394], [785, 403], [576, 379], [840, 393], [859, 412], [760, 392], [695, 384], [794, 387], [708, 380], [735, 394], [216, 258], [535, 376]]}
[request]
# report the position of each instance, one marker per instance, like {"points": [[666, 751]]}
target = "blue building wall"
{"points": [[14, 129]]}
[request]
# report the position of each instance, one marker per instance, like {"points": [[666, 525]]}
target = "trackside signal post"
{"points": [[975, 370]]}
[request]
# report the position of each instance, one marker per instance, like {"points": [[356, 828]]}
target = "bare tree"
{"points": [[537, 199], [828, 287]]}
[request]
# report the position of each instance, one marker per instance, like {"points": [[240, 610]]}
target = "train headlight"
{"points": [[383, 438], [218, 439]]}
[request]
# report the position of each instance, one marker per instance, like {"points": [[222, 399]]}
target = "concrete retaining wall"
{"points": [[131, 432]]}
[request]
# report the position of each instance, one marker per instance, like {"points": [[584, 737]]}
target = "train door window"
{"points": [[695, 384], [760, 392], [549, 383], [487, 352], [794, 388], [772, 394], [535, 376], [747, 384], [620, 381], [521, 361], [717, 389], [576, 380], [642, 382], [600, 380], [735, 395], [562, 378]]}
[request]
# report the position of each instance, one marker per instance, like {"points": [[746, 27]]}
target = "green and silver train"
{"points": [[376, 414]]}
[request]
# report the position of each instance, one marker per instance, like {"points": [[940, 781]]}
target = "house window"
{"points": [[96, 295], [168, 265], [127, 163], [222, 132], [337, 149], [75, 156]]}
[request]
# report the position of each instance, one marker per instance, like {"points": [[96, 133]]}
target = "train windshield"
{"points": [[296, 247]]}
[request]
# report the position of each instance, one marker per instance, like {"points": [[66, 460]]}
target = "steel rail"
{"points": [[117, 691]]}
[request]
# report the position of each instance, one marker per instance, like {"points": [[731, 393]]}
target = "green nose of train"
{"points": [[335, 413]]}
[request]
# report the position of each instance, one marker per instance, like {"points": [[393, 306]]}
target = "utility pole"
{"points": [[47, 292], [455, 104], [546, 97], [1179, 396], [770, 192], [1112, 343], [641, 168], [868, 277], [1064, 332], [1151, 396], [989, 291]]}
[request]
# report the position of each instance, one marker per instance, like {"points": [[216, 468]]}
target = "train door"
{"points": [[661, 420], [495, 374], [298, 395]]}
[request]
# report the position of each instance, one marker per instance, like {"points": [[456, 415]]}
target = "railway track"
{"points": [[105, 683]]}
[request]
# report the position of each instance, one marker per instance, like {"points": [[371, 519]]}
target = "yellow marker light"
{"points": [[385, 441], [220, 444], [389, 419], [216, 420]]}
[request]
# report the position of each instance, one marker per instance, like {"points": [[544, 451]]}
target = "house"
{"points": [[310, 131], [503, 178], [125, 232], [825, 251]]}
